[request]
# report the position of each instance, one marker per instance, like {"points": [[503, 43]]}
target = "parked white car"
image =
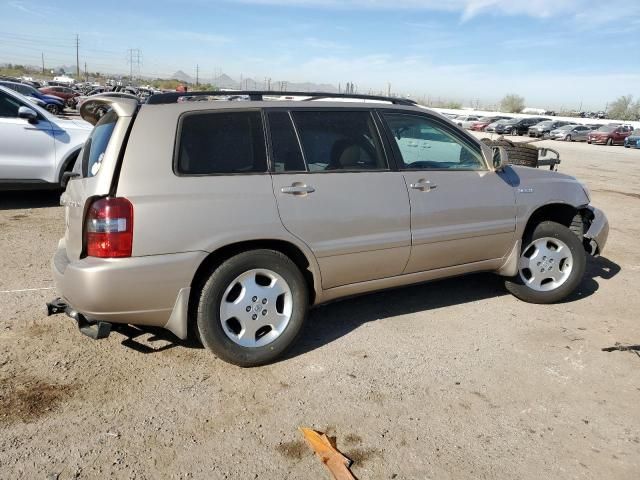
{"points": [[465, 121], [36, 148]]}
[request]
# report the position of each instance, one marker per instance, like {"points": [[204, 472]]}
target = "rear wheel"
{"points": [[551, 265], [53, 109], [252, 308]]}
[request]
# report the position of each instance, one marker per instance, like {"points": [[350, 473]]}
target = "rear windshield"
{"points": [[607, 128], [96, 144]]}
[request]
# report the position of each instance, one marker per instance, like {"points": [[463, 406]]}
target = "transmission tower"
{"points": [[134, 59]]}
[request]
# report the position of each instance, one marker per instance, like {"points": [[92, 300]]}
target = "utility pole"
{"points": [[197, 74], [86, 76], [134, 59], [388, 89], [78, 56], [43, 63]]}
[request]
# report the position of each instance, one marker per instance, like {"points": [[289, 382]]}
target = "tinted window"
{"points": [[340, 140], [96, 144], [226, 142], [287, 156], [8, 106], [424, 144]]}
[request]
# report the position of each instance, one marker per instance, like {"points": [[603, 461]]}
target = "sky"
{"points": [[555, 53]]}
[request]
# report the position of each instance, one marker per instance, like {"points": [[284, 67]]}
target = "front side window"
{"points": [[8, 106], [221, 142], [96, 145], [424, 144], [339, 140]]}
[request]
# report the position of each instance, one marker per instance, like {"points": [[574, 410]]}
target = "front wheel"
{"points": [[610, 141], [252, 308], [568, 138], [551, 265]]}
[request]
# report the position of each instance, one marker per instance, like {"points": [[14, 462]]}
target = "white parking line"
{"points": [[27, 290]]}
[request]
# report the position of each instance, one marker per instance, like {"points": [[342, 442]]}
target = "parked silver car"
{"points": [[36, 147], [228, 220], [571, 133]]}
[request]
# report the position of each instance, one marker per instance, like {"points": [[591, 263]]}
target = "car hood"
{"points": [[633, 138], [77, 124]]}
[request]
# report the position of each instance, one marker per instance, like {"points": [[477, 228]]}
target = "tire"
{"points": [[568, 138], [53, 109], [609, 141], [561, 273], [243, 275], [517, 153]]}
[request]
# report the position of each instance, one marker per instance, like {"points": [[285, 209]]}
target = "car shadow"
{"points": [[329, 322], [16, 200], [332, 321]]}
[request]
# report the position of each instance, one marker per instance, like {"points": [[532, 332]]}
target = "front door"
{"points": [[338, 195], [461, 211], [28, 151]]}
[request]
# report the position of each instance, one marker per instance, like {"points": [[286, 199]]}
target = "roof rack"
{"points": [[257, 96]]}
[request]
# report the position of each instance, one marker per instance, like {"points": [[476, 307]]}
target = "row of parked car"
{"points": [[56, 97], [541, 127]]}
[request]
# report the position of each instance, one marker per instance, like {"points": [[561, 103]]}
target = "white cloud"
{"points": [[467, 8]]}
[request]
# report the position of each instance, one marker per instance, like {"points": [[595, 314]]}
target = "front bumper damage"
{"points": [[597, 234]]}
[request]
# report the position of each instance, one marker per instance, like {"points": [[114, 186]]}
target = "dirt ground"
{"points": [[448, 380]]}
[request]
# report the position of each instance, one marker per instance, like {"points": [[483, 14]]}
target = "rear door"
{"points": [[27, 150], [337, 193], [461, 212], [96, 165]]}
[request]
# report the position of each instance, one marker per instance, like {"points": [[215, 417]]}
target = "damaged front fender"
{"points": [[598, 232]]}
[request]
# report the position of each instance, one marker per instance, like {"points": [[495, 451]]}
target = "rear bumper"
{"points": [[598, 231], [136, 290]]}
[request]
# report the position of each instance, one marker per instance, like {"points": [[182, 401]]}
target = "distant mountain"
{"points": [[225, 81], [183, 77]]}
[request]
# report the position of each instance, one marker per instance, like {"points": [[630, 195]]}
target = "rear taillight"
{"points": [[109, 228]]}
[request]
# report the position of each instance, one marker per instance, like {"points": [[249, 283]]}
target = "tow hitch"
{"points": [[92, 329]]}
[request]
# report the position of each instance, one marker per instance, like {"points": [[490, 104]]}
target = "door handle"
{"points": [[298, 189], [423, 185]]}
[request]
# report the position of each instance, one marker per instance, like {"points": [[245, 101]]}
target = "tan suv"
{"points": [[227, 220]]}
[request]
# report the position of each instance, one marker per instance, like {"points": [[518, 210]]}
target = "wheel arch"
{"points": [[67, 162], [308, 266]]}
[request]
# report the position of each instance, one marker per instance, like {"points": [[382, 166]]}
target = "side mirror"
{"points": [[499, 158], [28, 113]]}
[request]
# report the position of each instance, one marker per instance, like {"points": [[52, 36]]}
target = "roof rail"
{"points": [[258, 95]]}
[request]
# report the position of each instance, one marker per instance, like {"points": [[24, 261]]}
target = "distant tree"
{"points": [[512, 103], [452, 105], [624, 108]]}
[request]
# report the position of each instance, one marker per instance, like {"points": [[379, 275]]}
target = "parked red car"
{"points": [[65, 93], [484, 122], [610, 135]]}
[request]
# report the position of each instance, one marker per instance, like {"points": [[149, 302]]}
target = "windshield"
{"points": [[512, 121], [607, 128]]}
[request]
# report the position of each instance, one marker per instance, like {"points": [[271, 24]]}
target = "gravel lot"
{"points": [[455, 379]]}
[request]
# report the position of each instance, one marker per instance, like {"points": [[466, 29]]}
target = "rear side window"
{"points": [[96, 144], [339, 140], [221, 142]]}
